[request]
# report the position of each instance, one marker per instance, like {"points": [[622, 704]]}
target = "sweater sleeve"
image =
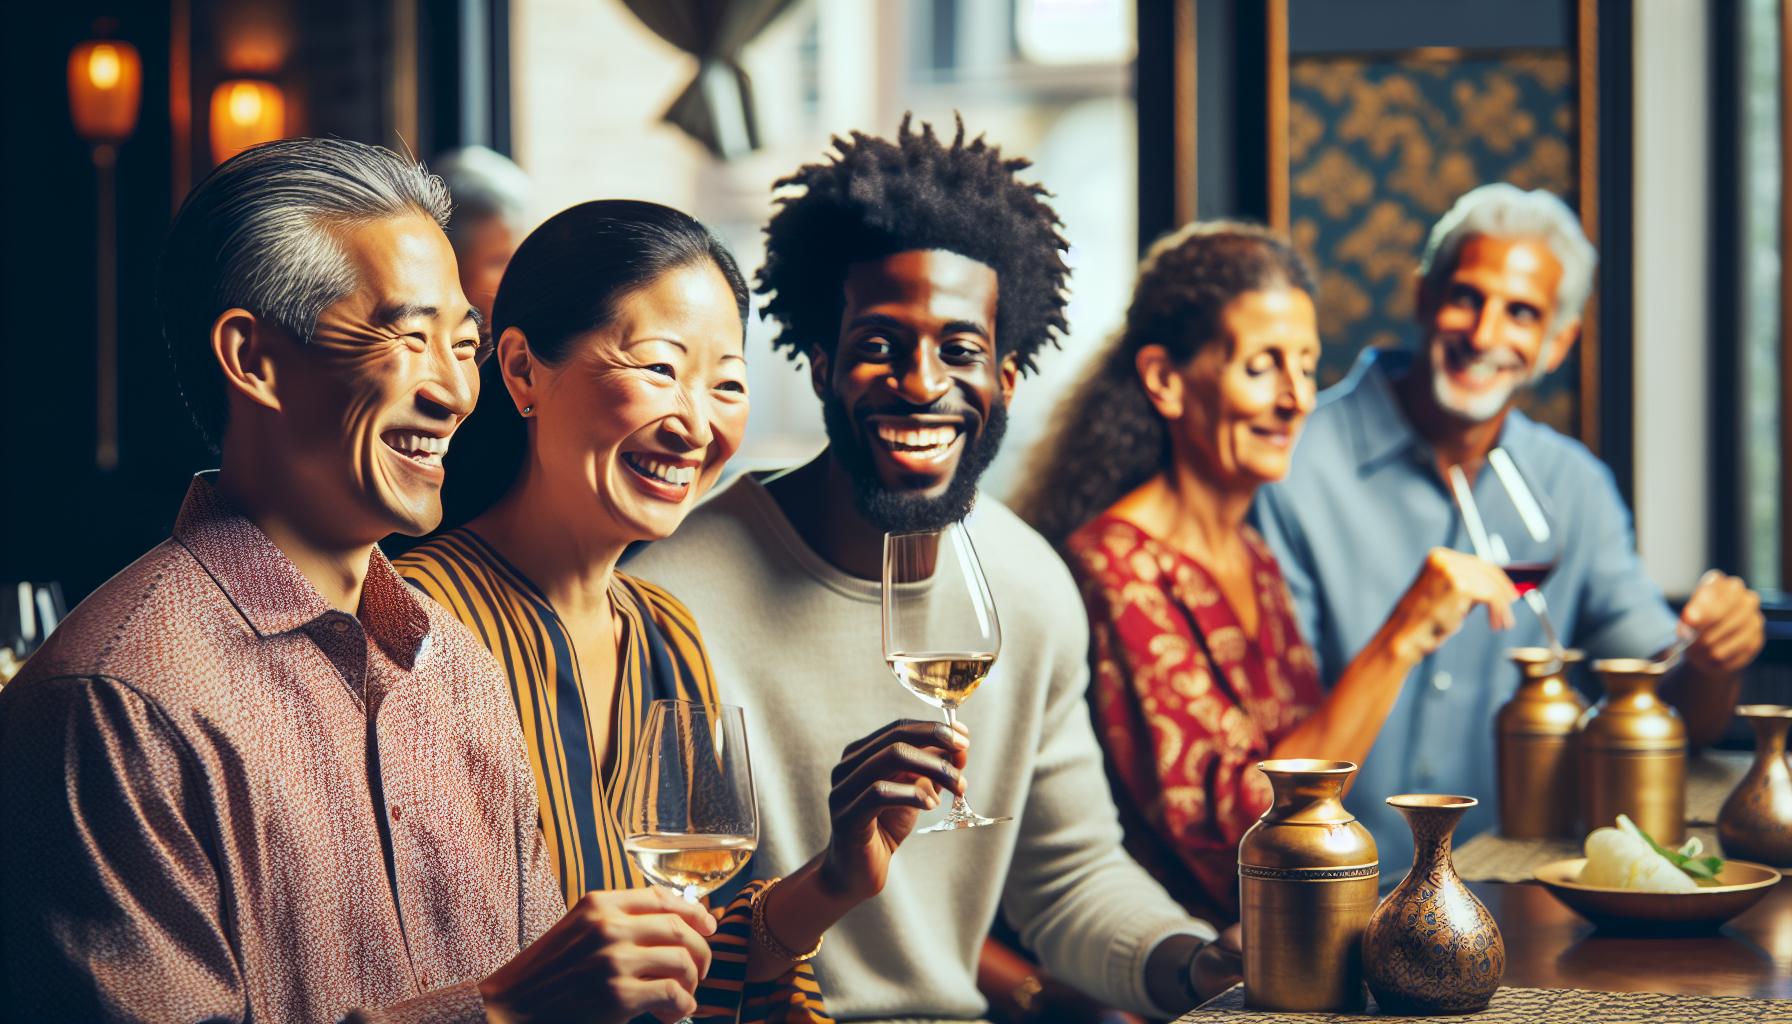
{"points": [[1077, 899]]}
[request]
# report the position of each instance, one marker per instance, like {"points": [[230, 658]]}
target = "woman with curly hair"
{"points": [[1200, 670]]}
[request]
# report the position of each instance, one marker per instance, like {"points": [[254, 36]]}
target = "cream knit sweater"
{"points": [[799, 644]]}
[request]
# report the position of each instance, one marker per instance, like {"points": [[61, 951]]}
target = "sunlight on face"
{"points": [[636, 424], [1489, 334], [387, 378], [1247, 399]]}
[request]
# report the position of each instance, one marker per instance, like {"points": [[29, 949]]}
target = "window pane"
{"points": [[1761, 309]]}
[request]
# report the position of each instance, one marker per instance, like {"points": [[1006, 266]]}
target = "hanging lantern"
{"points": [[105, 82], [246, 112]]}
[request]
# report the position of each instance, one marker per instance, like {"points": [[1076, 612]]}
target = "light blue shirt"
{"points": [[1351, 524]]}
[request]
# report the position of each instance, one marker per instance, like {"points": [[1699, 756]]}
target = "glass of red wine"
{"points": [[1513, 525]]}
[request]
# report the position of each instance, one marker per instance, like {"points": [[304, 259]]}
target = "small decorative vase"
{"points": [[1633, 754], [1431, 947], [1756, 822], [1534, 733], [1307, 879]]}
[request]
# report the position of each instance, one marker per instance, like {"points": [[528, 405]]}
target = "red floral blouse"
{"points": [[1183, 740]]}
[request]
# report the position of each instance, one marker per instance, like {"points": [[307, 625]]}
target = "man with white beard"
{"points": [[1500, 290]]}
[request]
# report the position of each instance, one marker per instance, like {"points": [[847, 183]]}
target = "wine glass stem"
{"points": [[690, 895], [960, 809]]}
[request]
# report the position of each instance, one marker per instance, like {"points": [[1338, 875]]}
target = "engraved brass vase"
{"points": [[1633, 754], [1539, 789], [1756, 822], [1432, 948], [1308, 878]]}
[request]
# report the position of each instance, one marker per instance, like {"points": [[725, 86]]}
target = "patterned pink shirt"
{"points": [[225, 801]]}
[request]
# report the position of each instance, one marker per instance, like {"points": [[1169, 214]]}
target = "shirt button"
{"points": [[397, 813], [1441, 681], [340, 626]]}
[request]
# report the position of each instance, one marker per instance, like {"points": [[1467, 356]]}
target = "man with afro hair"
{"points": [[920, 280]]}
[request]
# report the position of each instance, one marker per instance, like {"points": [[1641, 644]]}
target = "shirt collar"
{"points": [[271, 593], [1382, 430]]}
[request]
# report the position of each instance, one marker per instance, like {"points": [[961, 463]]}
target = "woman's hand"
{"points": [[881, 785], [1450, 584], [613, 957]]}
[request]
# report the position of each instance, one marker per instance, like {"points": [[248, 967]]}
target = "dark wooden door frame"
{"points": [[1257, 80]]}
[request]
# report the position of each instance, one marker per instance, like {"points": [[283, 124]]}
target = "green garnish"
{"points": [[1702, 869]]}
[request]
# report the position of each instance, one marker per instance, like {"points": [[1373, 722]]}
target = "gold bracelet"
{"points": [[762, 936]]}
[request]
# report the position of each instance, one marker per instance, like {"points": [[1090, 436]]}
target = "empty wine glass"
{"points": [[941, 635], [692, 819]]}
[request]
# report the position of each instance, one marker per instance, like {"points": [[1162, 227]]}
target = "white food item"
{"points": [[1618, 860]]}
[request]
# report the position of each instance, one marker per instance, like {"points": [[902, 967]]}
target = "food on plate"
{"points": [[1627, 858]]}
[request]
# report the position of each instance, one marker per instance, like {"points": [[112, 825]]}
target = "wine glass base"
{"points": [[949, 823]]}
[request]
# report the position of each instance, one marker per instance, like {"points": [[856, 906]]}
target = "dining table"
{"points": [[1560, 967]]}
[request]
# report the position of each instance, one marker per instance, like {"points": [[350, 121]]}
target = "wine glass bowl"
{"points": [[941, 633], [1513, 525], [693, 821]]}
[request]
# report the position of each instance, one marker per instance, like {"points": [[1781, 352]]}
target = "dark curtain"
{"points": [[716, 109]]}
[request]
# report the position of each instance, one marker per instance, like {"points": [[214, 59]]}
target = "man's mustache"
{"points": [[1463, 355], [973, 419]]}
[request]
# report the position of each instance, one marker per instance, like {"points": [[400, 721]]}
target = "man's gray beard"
{"points": [[1484, 407]]}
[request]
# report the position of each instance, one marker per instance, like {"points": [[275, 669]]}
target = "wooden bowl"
{"points": [[1740, 886]]}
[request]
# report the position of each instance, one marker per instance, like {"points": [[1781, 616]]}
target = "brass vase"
{"points": [[1307, 878], [1756, 822], [1534, 734], [1432, 947], [1633, 754]]}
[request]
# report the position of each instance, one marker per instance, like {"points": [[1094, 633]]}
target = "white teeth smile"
{"points": [[675, 473], [926, 442], [426, 449]]}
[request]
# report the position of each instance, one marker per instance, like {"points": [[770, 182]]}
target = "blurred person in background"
{"points": [[920, 279], [255, 776], [616, 395], [491, 207], [1200, 669], [1501, 285]]}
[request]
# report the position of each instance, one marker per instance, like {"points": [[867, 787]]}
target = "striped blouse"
{"points": [[582, 809]]}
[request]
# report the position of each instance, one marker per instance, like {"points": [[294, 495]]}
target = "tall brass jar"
{"points": [[1307, 878], [1633, 753], [1534, 733]]}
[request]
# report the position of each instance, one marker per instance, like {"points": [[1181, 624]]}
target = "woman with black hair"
{"points": [[616, 392], [1199, 669]]}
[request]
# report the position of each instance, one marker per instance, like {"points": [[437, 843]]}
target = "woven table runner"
{"points": [[1534, 1006], [1491, 857], [1710, 776]]}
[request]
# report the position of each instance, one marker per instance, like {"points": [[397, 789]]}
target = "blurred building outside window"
{"points": [[1046, 79], [1761, 304]]}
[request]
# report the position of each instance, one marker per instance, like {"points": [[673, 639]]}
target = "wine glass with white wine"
{"points": [[692, 819], [941, 635]]}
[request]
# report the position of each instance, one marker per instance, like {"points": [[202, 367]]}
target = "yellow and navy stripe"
{"points": [[582, 810]]}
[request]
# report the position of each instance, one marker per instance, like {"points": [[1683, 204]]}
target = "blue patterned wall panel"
{"points": [[1379, 147]]}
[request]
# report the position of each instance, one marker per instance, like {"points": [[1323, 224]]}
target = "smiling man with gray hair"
{"points": [[256, 776], [1500, 292]]}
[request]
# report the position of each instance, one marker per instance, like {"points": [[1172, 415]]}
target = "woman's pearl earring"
{"points": [[527, 409]]}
